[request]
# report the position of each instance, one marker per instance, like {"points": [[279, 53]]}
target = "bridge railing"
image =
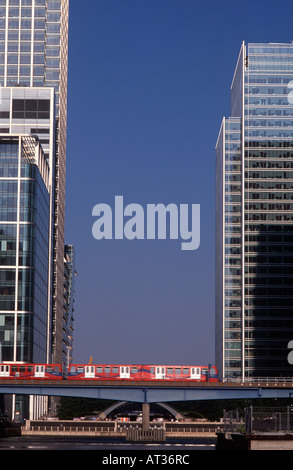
{"points": [[261, 380]]}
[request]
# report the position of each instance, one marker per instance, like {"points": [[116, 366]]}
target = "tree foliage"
{"points": [[70, 407]]}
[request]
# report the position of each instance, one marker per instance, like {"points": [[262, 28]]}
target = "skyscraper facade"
{"points": [[24, 255], [254, 215], [33, 55]]}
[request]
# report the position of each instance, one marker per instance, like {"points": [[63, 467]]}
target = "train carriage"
{"points": [[30, 371], [181, 373], [103, 372]]}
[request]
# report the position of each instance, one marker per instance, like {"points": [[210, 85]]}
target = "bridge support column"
{"points": [[145, 416], [146, 434]]}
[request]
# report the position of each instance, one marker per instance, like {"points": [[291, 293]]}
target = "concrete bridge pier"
{"points": [[145, 416], [146, 433]]}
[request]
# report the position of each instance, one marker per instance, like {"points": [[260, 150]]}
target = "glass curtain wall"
{"points": [[24, 245], [254, 271], [268, 209]]}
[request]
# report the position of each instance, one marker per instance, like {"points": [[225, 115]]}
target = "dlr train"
{"points": [[109, 372]]}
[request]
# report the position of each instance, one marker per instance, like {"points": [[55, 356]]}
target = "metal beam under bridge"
{"points": [[147, 394]]}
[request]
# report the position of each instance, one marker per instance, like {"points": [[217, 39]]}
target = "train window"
{"points": [[99, 370], [80, 369], [134, 370], [185, 371], [73, 369], [152, 370], [14, 368], [115, 370], [169, 370], [107, 370], [56, 369], [30, 368], [21, 368], [177, 370], [49, 369]]}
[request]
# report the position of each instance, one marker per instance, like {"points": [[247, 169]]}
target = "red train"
{"points": [[142, 372], [109, 372]]}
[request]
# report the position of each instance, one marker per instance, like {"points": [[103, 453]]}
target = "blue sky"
{"points": [[149, 83]]}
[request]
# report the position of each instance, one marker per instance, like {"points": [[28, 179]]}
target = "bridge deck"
{"points": [[149, 391], [144, 383]]}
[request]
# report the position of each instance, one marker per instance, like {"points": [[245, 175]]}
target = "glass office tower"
{"points": [[26, 220], [254, 215], [33, 54], [24, 249]]}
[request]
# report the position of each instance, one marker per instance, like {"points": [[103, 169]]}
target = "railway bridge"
{"points": [[155, 391], [147, 392]]}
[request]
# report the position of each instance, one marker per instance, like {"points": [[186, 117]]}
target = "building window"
{"points": [[30, 109]]}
